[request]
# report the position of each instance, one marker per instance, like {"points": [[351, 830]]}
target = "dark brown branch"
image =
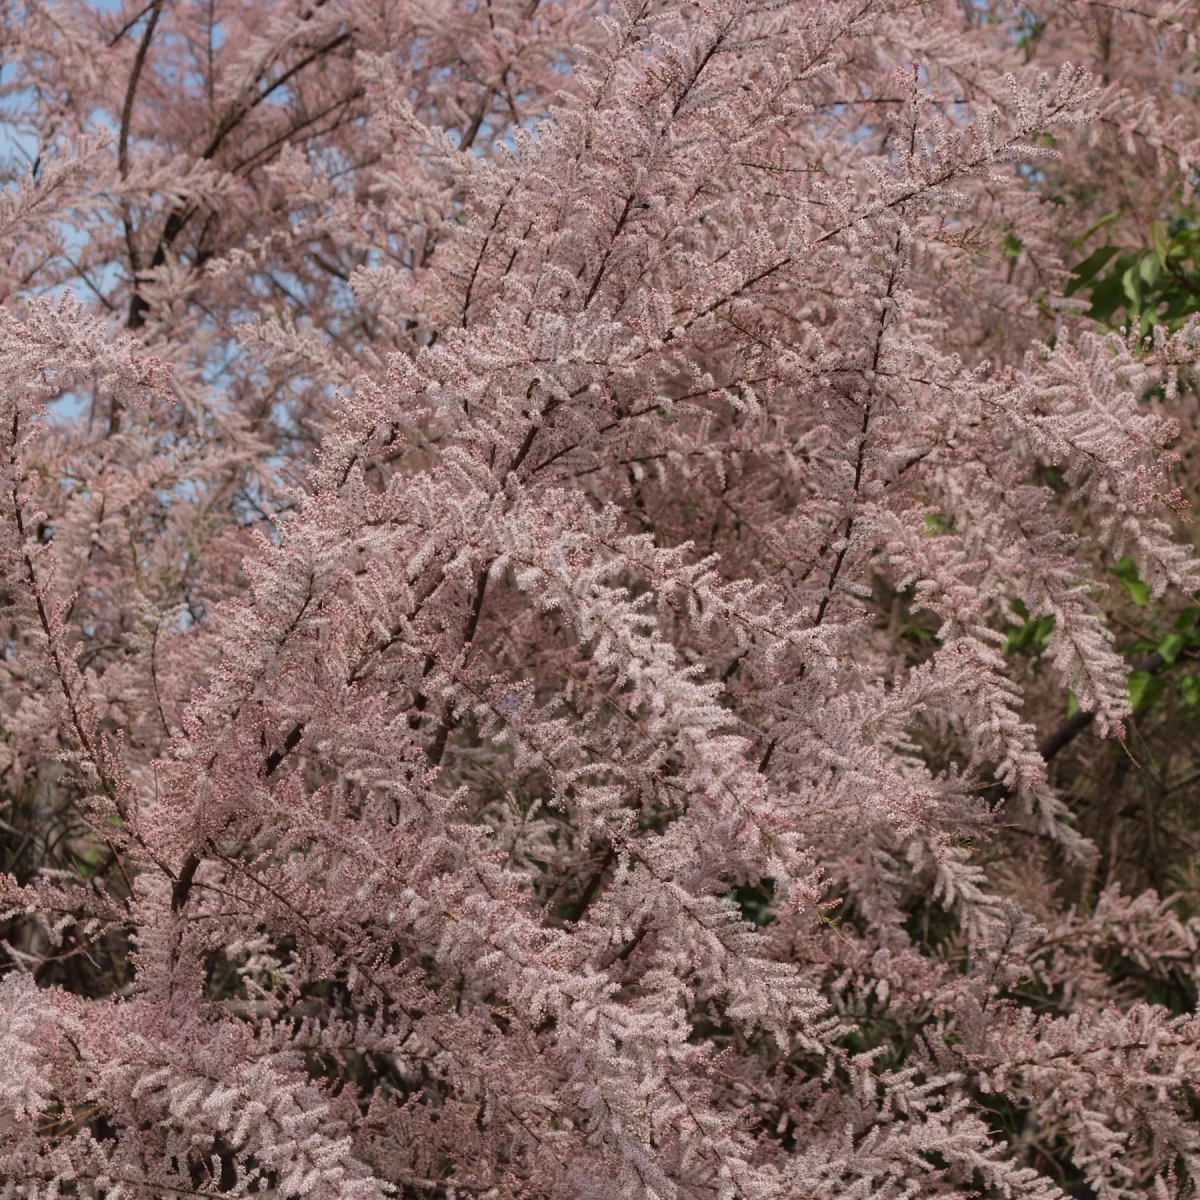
{"points": [[472, 130], [437, 747], [183, 888], [289, 744], [612, 242], [1072, 727], [131, 90], [123, 152], [1066, 732], [183, 885], [583, 903], [116, 37], [179, 217]]}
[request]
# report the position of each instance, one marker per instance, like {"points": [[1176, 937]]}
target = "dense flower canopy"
{"points": [[516, 517]]}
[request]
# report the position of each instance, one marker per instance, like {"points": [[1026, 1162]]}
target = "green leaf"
{"points": [[1033, 635], [1141, 647], [1084, 272], [1186, 621], [1144, 689], [916, 633], [756, 901], [1158, 238], [1072, 704], [1139, 592], [1189, 690], [1158, 284], [1170, 646], [1011, 246], [1107, 219], [1126, 571], [1129, 288], [1107, 295], [89, 860]]}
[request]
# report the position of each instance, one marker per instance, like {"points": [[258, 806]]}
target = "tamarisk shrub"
{"points": [[511, 514]]}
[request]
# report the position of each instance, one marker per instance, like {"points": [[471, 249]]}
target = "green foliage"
{"points": [[1144, 689], [1158, 285], [756, 901], [1138, 590], [1030, 636], [1170, 646], [1182, 639]]}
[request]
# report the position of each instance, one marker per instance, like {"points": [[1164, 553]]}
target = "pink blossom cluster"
{"points": [[472, 470]]}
